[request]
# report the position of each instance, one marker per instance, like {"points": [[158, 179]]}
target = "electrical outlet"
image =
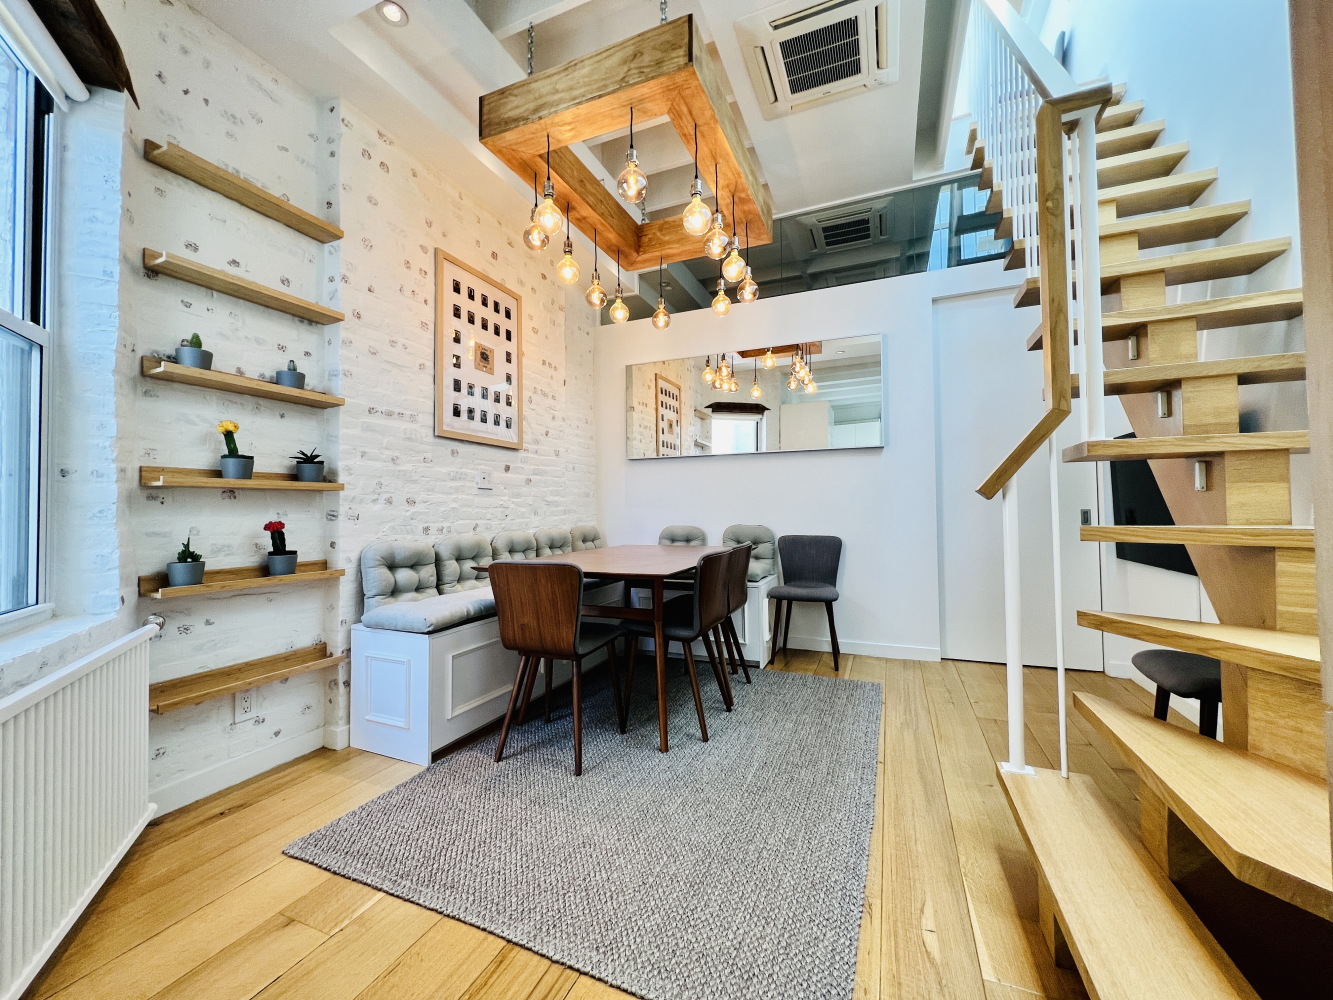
{"points": [[245, 704], [483, 479]]}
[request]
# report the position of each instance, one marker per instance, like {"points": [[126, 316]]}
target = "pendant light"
{"points": [[619, 311], [769, 360], [548, 215], [721, 304], [733, 268], [755, 391], [708, 369], [724, 369], [715, 243], [533, 237], [696, 215], [792, 383], [632, 184], [596, 294], [749, 288], [568, 268], [661, 318]]}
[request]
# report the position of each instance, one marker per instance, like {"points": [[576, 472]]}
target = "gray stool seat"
{"points": [[815, 592], [1185, 675]]}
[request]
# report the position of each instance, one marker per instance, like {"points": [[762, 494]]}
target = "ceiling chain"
{"points": [[530, 31], [664, 13]]}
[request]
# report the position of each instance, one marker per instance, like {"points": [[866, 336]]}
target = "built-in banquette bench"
{"points": [[427, 665]]}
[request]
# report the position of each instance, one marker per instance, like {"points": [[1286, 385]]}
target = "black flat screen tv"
{"points": [[1136, 499]]}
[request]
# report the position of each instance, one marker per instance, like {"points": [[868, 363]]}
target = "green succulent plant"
{"points": [[187, 554], [291, 366], [305, 458], [195, 340]]}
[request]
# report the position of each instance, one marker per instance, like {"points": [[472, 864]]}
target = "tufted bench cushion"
{"points": [[397, 571], [460, 563], [513, 545], [764, 555], [432, 614], [682, 534], [586, 536], [553, 541]]}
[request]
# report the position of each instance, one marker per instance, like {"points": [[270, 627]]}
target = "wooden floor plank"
{"points": [[588, 988], [928, 950], [442, 964], [332, 905], [242, 970], [868, 949], [513, 975]]}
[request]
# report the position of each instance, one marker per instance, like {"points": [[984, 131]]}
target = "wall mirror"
{"points": [[812, 396]]}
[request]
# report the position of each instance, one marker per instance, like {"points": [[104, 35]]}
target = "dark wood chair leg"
{"points": [[550, 669], [833, 633], [527, 689], [694, 686], [1208, 719], [615, 682], [633, 642], [719, 645], [719, 672], [523, 664], [786, 628], [577, 677], [777, 624], [730, 627], [1162, 705]]}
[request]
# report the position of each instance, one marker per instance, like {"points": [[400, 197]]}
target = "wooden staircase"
{"points": [[1258, 802]]}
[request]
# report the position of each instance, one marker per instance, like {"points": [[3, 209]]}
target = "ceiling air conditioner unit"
{"points": [[800, 55]]}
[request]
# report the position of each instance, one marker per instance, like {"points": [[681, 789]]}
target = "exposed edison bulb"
{"points": [[807, 378], [661, 318], [733, 268], [548, 215], [533, 237], [632, 183], [734, 384], [708, 371], [696, 215], [568, 268], [748, 291], [724, 370], [596, 294], [755, 391], [619, 311], [792, 383], [716, 242], [721, 304], [810, 386]]}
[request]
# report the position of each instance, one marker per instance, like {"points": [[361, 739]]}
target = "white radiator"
{"points": [[73, 797]]}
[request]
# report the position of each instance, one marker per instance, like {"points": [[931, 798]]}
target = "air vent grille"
{"points": [[823, 56], [842, 234]]}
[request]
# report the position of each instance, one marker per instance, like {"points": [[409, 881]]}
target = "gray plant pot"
{"points": [[309, 472], [185, 574], [283, 565], [238, 466], [292, 380], [194, 357]]}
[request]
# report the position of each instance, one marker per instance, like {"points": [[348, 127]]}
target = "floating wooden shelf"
{"points": [[224, 182], [237, 578], [211, 479], [241, 288], [181, 692], [1267, 823], [1277, 536], [169, 371]]}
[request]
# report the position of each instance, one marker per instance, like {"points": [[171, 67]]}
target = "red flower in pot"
{"points": [[281, 561]]}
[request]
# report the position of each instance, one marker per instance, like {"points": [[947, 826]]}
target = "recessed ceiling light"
{"points": [[842, 352], [391, 12]]}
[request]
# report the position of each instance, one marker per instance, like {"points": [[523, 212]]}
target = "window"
{"points": [[25, 151]]}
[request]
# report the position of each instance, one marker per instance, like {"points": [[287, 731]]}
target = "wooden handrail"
{"points": [[1052, 238], [1050, 79]]}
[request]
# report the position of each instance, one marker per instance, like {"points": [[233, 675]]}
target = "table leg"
{"points": [[659, 647]]}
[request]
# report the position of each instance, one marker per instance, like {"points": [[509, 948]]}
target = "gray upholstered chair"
{"points": [[763, 554], [460, 563], [553, 541], [587, 536], [397, 571], [513, 545], [1185, 675], [682, 534], [809, 574]]}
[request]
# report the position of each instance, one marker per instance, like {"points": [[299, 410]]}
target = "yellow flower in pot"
{"points": [[234, 464]]}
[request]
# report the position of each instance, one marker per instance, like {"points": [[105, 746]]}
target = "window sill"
{"points": [[30, 653], [25, 618]]}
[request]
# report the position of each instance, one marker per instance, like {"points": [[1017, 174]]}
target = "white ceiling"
{"points": [[423, 81]]}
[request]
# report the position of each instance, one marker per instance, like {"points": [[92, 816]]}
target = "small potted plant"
{"points": [[188, 569], [280, 561], [309, 467], [291, 378], [191, 353], [234, 464]]}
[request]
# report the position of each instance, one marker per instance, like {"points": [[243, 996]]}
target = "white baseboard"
{"points": [[887, 650], [337, 737], [233, 771]]}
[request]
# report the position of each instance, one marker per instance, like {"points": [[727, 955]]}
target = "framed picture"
{"points": [[668, 416], [478, 356]]}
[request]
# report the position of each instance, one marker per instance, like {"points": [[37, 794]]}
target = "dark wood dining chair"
{"points": [[809, 574], [738, 593], [538, 605], [686, 619]]}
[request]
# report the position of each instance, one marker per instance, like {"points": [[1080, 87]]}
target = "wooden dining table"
{"points": [[648, 567]]}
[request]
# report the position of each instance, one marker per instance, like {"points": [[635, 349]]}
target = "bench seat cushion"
{"points": [[432, 614]]}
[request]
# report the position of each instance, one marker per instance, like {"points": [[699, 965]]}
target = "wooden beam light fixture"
{"points": [[663, 71]]}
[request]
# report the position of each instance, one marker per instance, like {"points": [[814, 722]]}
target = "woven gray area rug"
{"points": [[727, 870]]}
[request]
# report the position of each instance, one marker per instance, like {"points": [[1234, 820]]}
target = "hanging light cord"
{"points": [[534, 190], [631, 128], [696, 151], [566, 220], [594, 249], [717, 205], [733, 215], [548, 158]]}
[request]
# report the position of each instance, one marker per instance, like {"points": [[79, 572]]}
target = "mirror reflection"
{"points": [[810, 396]]}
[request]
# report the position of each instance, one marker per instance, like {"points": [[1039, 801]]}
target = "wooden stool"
{"points": [[1186, 675]]}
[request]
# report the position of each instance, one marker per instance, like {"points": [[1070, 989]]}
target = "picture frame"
{"points": [[478, 356], [669, 416]]}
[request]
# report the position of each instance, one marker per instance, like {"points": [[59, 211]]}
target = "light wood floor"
{"points": [[206, 907]]}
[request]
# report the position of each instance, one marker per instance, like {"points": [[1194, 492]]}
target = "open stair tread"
{"points": [[1158, 194], [1264, 536], [1185, 446], [1141, 165], [1289, 653], [1131, 933], [1118, 116], [1210, 314], [1267, 823], [1254, 370], [1130, 139]]}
